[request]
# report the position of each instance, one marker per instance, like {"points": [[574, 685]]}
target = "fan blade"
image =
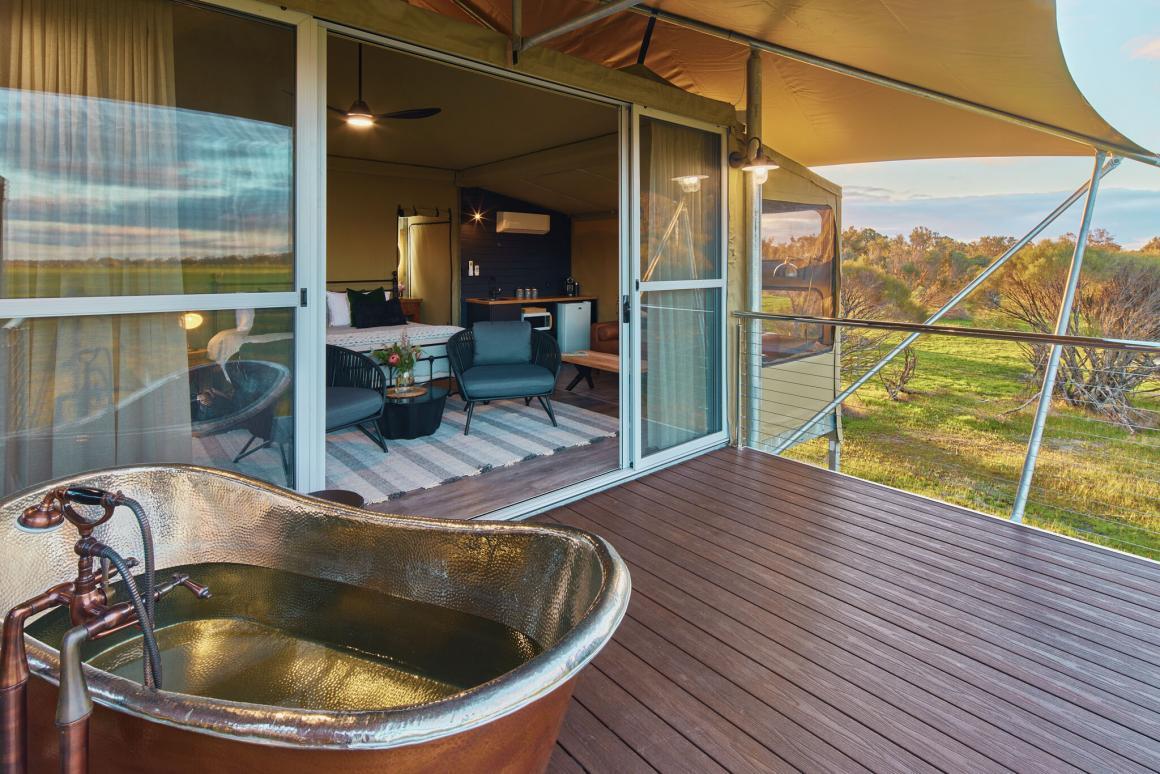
{"points": [[413, 113], [336, 110]]}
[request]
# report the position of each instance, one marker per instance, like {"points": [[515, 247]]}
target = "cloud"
{"points": [[1145, 47]]}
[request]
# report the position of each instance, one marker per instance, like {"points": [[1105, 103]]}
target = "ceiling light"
{"points": [[690, 183], [360, 115], [190, 320]]}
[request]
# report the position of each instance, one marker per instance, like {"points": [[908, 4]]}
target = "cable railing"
{"points": [[952, 414]]}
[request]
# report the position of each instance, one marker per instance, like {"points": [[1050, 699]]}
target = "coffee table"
{"points": [[587, 361], [413, 417]]}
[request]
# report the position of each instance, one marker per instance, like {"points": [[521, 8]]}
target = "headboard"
{"points": [[391, 284]]}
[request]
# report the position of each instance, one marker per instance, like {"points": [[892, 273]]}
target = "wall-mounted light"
{"points": [[190, 320], [690, 183], [754, 161], [476, 216]]}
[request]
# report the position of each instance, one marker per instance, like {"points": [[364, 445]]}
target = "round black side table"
{"points": [[413, 417]]}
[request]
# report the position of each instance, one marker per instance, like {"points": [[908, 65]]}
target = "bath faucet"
{"points": [[87, 599]]}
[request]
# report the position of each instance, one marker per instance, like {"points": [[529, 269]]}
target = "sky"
{"points": [[1113, 50]]}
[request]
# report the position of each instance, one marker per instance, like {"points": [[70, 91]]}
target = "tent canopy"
{"points": [[1001, 55]]}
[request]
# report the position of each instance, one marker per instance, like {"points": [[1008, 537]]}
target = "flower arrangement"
{"points": [[400, 357]]}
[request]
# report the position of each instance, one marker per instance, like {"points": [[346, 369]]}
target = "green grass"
{"points": [[956, 442]]}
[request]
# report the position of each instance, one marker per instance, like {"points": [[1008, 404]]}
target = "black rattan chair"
{"points": [[499, 378], [356, 393]]}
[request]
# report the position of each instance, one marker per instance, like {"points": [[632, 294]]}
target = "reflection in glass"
{"points": [[681, 379], [146, 147], [798, 242], [680, 202], [79, 393]]}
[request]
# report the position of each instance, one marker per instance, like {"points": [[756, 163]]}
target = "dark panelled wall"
{"points": [[513, 260]]}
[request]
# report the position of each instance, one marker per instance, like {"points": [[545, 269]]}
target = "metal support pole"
{"points": [[584, 20], [834, 455], [742, 377], [1101, 170], [1062, 323], [753, 328]]}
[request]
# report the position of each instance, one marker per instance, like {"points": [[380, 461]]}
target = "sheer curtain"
{"points": [[90, 154], [680, 241]]}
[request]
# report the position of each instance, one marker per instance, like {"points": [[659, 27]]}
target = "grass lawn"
{"points": [[954, 441]]}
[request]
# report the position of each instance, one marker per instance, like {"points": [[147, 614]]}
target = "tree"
{"points": [[1118, 297], [869, 293], [1152, 246]]}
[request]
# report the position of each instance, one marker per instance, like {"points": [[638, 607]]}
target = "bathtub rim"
{"points": [[260, 724]]}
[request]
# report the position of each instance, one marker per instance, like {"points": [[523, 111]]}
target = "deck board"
{"points": [[784, 617]]}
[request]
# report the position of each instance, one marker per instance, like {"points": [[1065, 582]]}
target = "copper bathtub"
{"points": [[560, 591]]}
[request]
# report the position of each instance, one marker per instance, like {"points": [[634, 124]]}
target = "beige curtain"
{"points": [[680, 241], [429, 259], [90, 153]]}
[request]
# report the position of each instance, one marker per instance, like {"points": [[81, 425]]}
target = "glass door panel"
{"points": [[680, 283]]}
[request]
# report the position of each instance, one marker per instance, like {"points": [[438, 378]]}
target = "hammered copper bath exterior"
{"points": [[564, 588]]}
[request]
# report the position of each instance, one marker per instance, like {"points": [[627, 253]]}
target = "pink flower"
{"points": [[393, 358]]}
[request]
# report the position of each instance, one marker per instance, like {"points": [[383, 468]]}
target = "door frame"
{"points": [[632, 279]]}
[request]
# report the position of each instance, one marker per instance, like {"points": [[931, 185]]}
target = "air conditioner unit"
{"points": [[522, 223]]}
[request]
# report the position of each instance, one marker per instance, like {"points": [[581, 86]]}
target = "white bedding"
{"points": [[366, 339], [432, 339]]}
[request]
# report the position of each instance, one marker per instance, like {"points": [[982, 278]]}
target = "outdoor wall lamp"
{"points": [[755, 161]]}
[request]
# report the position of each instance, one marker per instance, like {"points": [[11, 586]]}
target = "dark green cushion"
{"points": [[368, 309], [351, 404], [500, 343], [506, 381]]}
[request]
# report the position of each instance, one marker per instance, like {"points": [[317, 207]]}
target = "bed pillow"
{"points": [[395, 313], [368, 309], [337, 308]]}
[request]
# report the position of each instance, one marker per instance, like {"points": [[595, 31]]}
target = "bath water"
{"points": [[282, 639]]}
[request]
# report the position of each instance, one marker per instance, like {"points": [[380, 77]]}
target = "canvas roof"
{"points": [[1004, 55]]}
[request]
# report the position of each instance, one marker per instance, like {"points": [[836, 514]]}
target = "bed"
{"points": [[431, 338]]}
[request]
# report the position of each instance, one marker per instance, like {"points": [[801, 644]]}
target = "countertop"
{"points": [[529, 301]]}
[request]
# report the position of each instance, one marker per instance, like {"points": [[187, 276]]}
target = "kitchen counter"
{"points": [[529, 301]]}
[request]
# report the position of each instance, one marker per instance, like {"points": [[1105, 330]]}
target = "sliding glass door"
{"points": [[679, 282], [148, 241]]}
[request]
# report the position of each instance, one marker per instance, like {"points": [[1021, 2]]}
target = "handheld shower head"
{"points": [[45, 515]]}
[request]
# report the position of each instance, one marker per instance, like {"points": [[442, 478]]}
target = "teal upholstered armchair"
{"points": [[504, 361]]}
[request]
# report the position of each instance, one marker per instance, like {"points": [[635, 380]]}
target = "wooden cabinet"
{"points": [[411, 308]]}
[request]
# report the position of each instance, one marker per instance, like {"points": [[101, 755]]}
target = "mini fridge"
{"points": [[574, 325]]}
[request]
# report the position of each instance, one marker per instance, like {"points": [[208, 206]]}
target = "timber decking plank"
{"points": [[1118, 565], [903, 589], [938, 527], [649, 735], [595, 746], [563, 763], [1100, 703], [867, 514], [930, 665], [850, 522], [778, 609], [728, 744]]}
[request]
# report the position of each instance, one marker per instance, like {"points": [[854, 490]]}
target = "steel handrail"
{"points": [[1023, 337]]}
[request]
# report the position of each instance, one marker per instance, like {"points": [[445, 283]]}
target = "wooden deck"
{"points": [[786, 618]]}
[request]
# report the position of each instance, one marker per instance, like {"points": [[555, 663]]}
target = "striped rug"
{"points": [[502, 434]]}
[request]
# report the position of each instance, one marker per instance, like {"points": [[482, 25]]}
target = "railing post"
{"points": [[1062, 324]]}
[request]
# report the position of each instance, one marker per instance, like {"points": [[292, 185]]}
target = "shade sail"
{"points": [[1000, 54]]}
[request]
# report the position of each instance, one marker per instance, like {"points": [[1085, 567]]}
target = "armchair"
{"points": [[356, 393], [504, 361]]}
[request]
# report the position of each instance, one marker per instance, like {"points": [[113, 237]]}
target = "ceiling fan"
{"points": [[359, 114]]}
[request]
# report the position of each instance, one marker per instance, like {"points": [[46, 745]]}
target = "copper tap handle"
{"points": [[199, 591]]}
